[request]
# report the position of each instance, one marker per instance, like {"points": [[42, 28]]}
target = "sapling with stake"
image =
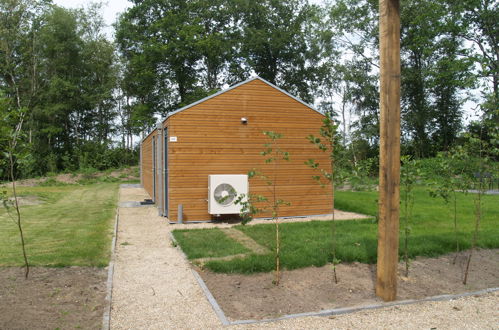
{"points": [[409, 173], [11, 132], [274, 154], [474, 144], [328, 132], [449, 182]]}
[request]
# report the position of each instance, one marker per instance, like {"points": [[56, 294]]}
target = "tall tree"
{"points": [[19, 59], [58, 68], [275, 43], [355, 36], [218, 43], [18, 88], [452, 76], [170, 47], [77, 104], [435, 69], [478, 21], [19, 46]]}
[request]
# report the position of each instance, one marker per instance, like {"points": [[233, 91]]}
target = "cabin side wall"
{"points": [[211, 139], [147, 164]]}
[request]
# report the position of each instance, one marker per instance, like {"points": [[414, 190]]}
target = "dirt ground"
{"points": [[313, 289], [52, 298]]}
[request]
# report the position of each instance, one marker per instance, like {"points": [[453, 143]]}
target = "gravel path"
{"points": [[153, 285], [154, 288]]}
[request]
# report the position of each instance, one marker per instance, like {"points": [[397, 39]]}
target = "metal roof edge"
{"points": [[157, 126], [148, 134], [288, 94]]}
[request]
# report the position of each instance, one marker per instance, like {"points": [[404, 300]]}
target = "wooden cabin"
{"points": [[223, 134]]}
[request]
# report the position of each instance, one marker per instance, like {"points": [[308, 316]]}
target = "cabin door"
{"points": [[165, 165]]}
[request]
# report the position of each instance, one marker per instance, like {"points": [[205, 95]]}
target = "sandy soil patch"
{"points": [[313, 289], [26, 200], [52, 298]]}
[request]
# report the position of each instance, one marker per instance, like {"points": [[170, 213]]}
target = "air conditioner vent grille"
{"points": [[225, 194]]}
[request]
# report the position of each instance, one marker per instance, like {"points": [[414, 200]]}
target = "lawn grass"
{"points": [[72, 227], [207, 243], [309, 243]]}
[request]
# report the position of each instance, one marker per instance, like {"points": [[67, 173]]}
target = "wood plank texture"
{"points": [[212, 140], [389, 176], [147, 166]]}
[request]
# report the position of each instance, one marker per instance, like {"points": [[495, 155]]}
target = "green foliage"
{"points": [[79, 95], [59, 69], [446, 174], [51, 182], [279, 42], [484, 169], [100, 157], [177, 54], [478, 25], [328, 132], [79, 77], [439, 70], [450, 169], [184, 50], [274, 154], [434, 72], [249, 203], [254, 204], [363, 175], [410, 172]]}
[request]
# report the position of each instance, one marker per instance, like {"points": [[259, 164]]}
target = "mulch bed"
{"points": [[52, 298], [313, 289]]}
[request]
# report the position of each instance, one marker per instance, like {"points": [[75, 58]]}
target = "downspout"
{"points": [[141, 170], [159, 169]]}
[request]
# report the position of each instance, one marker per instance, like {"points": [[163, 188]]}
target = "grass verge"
{"points": [[71, 227], [309, 243], [207, 243]]}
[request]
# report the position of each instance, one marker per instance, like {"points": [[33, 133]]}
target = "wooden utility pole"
{"points": [[389, 170]]}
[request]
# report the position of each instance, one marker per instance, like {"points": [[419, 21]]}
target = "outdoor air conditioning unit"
{"points": [[223, 190]]}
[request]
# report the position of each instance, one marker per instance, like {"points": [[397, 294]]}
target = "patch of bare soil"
{"points": [[25, 182], [52, 298], [26, 200], [313, 289], [126, 174], [68, 178]]}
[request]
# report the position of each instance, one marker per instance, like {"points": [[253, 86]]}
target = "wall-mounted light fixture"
{"points": [[244, 120]]}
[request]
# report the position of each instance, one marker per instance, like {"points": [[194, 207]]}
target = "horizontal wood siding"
{"points": [[212, 140], [147, 166]]}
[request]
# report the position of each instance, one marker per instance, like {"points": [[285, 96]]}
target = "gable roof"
{"points": [[235, 86], [228, 89]]}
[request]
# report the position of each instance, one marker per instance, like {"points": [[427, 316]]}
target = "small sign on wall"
{"points": [[173, 139]]}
